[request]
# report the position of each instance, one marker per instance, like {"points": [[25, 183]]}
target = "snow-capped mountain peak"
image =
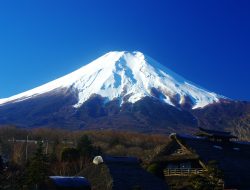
{"points": [[129, 77]]}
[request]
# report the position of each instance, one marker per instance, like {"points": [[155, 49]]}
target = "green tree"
{"points": [[209, 180], [70, 155], [2, 177], [155, 169], [37, 169], [52, 155], [1, 165], [200, 182], [13, 176], [85, 146]]}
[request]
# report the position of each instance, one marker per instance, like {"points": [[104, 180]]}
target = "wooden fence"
{"points": [[183, 171], [188, 172]]}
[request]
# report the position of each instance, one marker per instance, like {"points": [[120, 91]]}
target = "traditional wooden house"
{"points": [[127, 173], [188, 155], [212, 135]]}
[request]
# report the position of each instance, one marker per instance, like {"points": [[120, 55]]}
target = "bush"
{"points": [[85, 147], [154, 169], [70, 155], [209, 180]]}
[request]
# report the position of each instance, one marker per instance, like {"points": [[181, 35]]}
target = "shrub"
{"points": [[70, 155], [154, 169], [85, 147]]}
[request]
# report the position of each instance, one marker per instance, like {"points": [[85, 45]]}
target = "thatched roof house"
{"points": [[187, 155], [213, 135], [127, 173]]}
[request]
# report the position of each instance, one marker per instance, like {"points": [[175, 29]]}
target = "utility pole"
{"points": [[47, 146], [13, 148], [26, 151], [26, 142]]}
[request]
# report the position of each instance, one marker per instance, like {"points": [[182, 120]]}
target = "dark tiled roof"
{"points": [[214, 133]]}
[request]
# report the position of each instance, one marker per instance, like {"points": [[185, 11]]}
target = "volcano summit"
{"points": [[128, 77]]}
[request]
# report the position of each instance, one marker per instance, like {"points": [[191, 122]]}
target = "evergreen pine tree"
{"points": [[1, 173], [1, 165], [85, 146], [52, 155], [37, 170], [209, 180]]}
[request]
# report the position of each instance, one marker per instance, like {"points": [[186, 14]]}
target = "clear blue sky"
{"points": [[207, 42]]}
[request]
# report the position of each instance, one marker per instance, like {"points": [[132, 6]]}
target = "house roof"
{"points": [[127, 173], [121, 159], [214, 133], [69, 182], [168, 153], [233, 158]]}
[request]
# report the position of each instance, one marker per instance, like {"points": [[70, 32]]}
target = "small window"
{"points": [[235, 148], [218, 147], [185, 165], [172, 166]]}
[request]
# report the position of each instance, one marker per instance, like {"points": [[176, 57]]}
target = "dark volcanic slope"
{"points": [[228, 115], [55, 109], [146, 115]]}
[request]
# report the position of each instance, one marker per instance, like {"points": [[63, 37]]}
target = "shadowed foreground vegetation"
{"points": [[60, 152]]}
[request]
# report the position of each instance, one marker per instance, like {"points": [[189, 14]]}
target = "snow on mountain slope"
{"points": [[128, 76]]}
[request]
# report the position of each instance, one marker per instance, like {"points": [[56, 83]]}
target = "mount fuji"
{"points": [[128, 77], [119, 90]]}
